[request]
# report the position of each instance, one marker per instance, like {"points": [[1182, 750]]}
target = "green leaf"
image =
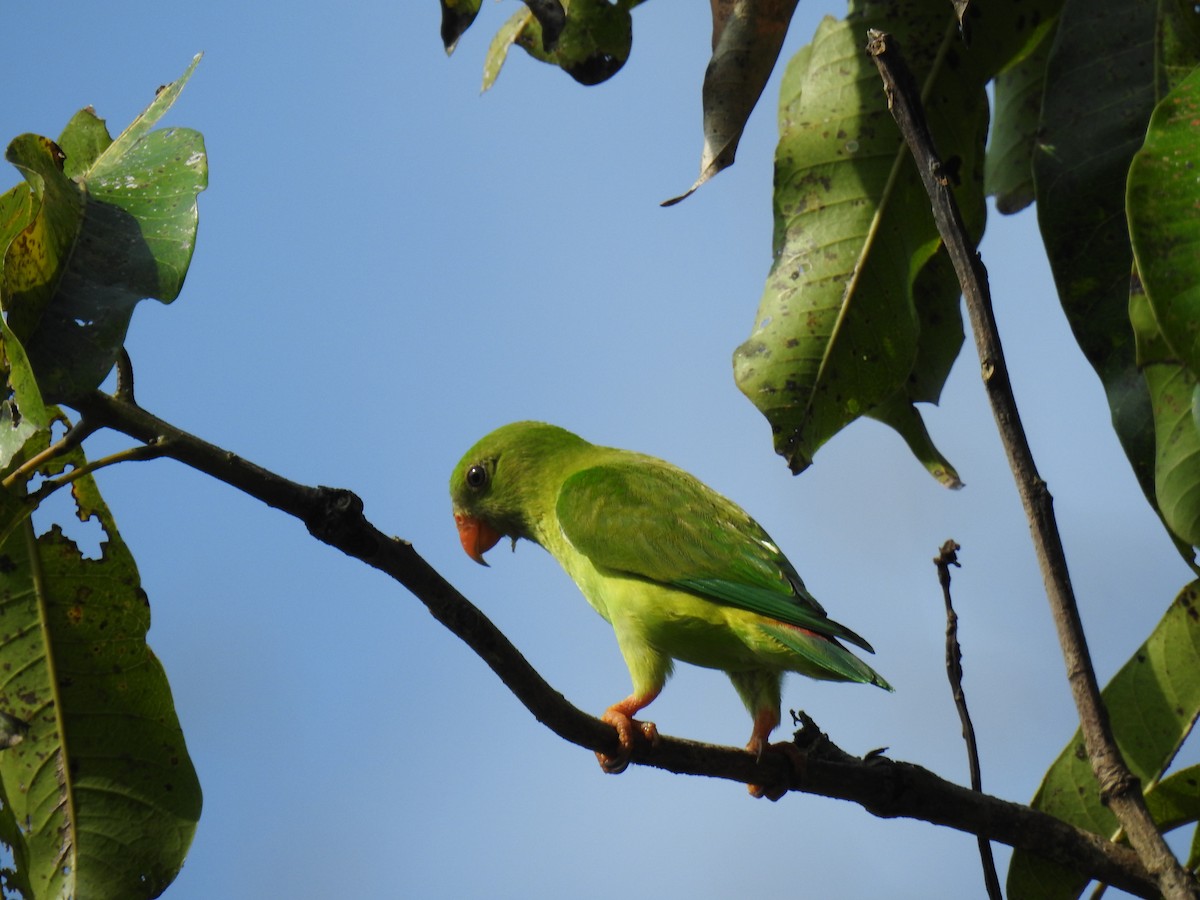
{"points": [[16, 212], [1153, 702], [100, 799], [1172, 389], [860, 313], [1179, 40], [1175, 800], [1163, 224], [901, 415], [839, 328], [497, 53], [1100, 92], [22, 412], [592, 46], [82, 141], [1008, 170], [122, 230]]}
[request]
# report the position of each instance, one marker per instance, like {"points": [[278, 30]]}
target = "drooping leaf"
{"points": [[100, 798], [1172, 388], [1008, 171], [457, 16], [837, 330], [899, 412], [1153, 702], [1163, 224], [747, 36], [497, 52], [591, 46], [122, 230], [1100, 92], [551, 17], [1165, 241], [859, 315]]}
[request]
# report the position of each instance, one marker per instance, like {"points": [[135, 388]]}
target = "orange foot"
{"points": [[765, 721], [795, 756], [620, 717]]}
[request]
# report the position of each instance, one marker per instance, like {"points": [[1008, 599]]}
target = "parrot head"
{"points": [[508, 481]]}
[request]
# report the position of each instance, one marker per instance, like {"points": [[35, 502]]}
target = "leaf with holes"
{"points": [[100, 798]]}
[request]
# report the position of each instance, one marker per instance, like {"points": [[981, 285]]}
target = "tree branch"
{"points": [[885, 788], [1119, 788]]}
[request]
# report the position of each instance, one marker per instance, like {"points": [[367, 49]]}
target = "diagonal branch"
{"points": [[882, 786], [1118, 786]]}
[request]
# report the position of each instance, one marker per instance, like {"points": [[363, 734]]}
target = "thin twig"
{"points": [[884, 787], [138, 453], [947, 557], [75, 436], [1119, 788]]}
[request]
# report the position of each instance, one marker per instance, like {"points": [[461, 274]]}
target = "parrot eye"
{"points": [[477, 476]]}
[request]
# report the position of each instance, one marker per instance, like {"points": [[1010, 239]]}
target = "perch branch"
{"points": [[1119, 788], [884, 787]]}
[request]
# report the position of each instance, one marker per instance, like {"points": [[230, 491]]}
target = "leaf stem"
{"points": [[1119, 788], [75, 436], [130, 454]]}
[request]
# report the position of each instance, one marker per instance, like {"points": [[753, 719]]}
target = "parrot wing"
{"points": [[647, 518]]}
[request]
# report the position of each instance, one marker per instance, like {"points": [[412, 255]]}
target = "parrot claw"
{"points": [[795, 756], [613, 765], [626, 727]]}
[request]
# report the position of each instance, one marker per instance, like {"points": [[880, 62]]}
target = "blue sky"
{"points": [[390, 265]]}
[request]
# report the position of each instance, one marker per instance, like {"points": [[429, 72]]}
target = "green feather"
{"points": [[828, 655], [674, 529]]}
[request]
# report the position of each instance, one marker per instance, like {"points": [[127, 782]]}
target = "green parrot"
{"points": [[679, 571]]}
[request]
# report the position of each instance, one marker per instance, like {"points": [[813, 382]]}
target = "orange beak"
{"points": [[477, 536]]}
